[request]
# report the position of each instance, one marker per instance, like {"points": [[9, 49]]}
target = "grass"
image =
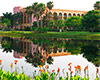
{"points": [[69, 34]]}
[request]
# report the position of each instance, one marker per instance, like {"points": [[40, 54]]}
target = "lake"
{"points": [[29, 51]]}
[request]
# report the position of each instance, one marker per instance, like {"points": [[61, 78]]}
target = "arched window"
{"points": [[78, 15], [82, 15], [65, 15], [55, 13], [74, 14], [60, 14], [69, 15]]}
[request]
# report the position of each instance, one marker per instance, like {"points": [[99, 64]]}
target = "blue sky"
{"points": [[86, 5]]}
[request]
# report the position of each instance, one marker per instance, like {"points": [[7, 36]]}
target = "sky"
{"points": [[84, 5]]}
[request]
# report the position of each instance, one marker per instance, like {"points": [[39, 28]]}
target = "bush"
{"points": [[34, 28], [42, 30], [53, 30], [27, 29], [0, 28]]}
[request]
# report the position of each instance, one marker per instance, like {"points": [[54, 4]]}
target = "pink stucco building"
{"points": [[63, 14]]}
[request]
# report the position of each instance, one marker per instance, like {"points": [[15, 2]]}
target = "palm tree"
{"points": [[8, 16], [6, 23], [17, 17], [47, 16], [29, 12], [97, 5], [42, 10], [36, 12], [50, 5]]}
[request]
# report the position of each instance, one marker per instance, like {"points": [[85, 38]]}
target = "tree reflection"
{"points": [[35, 49], [92, 54], [6, 44]]}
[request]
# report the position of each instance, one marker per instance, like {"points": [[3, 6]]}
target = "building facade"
{"points": [[63, 14]]}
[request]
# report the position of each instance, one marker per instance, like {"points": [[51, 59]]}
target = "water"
{"points": [[15, 48]]}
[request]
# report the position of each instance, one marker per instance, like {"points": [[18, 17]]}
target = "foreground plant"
{"points": [[13, 76], [45, 74]]}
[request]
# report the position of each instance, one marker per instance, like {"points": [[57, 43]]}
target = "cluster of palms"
{"points": [[39, 11]]}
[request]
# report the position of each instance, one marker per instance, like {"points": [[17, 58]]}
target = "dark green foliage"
{"points": [[34, 28], [34, 24], [41, 30], [50, 5], [8, 16], [74, 23], [91, 20], [27, 29], [97, 5], [92, 54], [52, 23]]}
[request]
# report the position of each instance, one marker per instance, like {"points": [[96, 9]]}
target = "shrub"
{"points": [[34, 28], [27, 29], [42, 30]]}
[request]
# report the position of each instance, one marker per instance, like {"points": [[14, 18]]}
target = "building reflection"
{"points": [[27, 47]]}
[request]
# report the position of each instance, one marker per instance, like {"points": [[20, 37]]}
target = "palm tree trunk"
{"points": [[30, 20], [41, 23], [37, 22]]}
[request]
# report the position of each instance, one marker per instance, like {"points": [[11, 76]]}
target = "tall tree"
{"points": [[42, 10], [52, 23], [60, 24], [97, 5], [38, 11], [55, 17], [74, 22], [17, 18], [29, 12], [50, 5], [6, 23], [8, 16], [47, 16], [91, 20]]}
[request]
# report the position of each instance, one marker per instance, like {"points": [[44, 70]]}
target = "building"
{"points": [[63, 14]]}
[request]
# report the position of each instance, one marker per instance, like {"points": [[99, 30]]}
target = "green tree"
{"points": [[97, 5], [60, 24], [74, 22], [29, 12], [55, 17], [91, 20], [17, 19], [52, 23], [47, 16], [8, 16], [38, 10], [50, 5], [42, 10], [6, 23]]}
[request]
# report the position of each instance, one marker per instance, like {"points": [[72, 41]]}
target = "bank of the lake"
{"points": [[69, 34]]}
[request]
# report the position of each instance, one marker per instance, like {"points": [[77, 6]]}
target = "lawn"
{"points": [[69, 34]]}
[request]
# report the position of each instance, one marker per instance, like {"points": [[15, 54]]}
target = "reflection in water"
{"points": [[34, 49]]}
